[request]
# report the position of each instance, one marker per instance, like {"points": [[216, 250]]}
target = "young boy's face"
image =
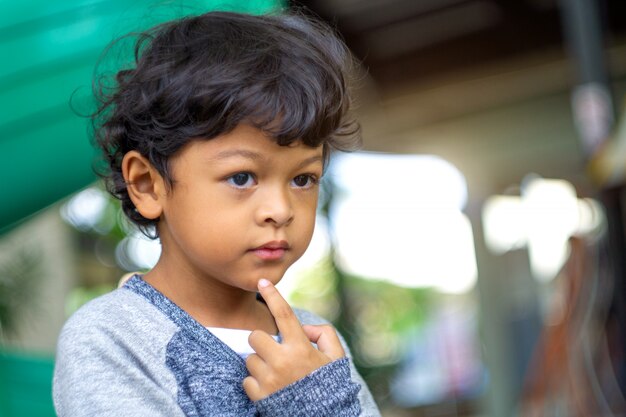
{"points": [[241, 207]]}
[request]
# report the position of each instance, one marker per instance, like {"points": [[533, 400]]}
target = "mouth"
{"points": [[271, 251]]}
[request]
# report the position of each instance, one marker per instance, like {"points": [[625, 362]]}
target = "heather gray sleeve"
{"points": [[367, 404], [111, 361]]}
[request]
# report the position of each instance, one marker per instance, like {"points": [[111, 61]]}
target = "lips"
{"points": [[271, 251]]}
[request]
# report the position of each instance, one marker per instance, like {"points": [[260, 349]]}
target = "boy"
{"points": [[216, 142]]}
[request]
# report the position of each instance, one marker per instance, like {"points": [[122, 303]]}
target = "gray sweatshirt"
{"points": [[134, 353]]}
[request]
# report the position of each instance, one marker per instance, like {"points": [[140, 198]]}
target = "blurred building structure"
{"points": [[487, 85], [484, 83]]}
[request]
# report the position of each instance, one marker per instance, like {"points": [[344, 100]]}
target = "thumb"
{"points": [[326, 339]]}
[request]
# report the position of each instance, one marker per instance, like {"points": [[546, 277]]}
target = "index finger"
{"points": [[286, 320]]}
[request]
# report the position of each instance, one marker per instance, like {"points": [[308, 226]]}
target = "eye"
{"points": [[305, 181], [241, 180]]}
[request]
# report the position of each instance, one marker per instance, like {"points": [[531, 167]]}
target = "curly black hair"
{"points": [[201, 76]]}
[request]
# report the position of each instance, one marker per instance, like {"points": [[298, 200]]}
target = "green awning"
{"points": [[49, 50]]}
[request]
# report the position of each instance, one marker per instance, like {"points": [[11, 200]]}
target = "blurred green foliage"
{"points": [[20, 275], [387, 307], [316, 290]]}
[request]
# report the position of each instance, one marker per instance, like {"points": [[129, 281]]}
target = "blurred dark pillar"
{"points": [[594, 115], [591, 98]]}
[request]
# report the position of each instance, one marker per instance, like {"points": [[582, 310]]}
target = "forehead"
{"points": [[247, 142]]}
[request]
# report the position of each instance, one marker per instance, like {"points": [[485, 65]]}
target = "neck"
{"points": [[210, 302]]}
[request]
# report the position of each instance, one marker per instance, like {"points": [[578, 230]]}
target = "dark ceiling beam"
{"points": [[400, 41]]}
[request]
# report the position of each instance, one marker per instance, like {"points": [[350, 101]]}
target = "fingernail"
{"points": [[264, 283]]}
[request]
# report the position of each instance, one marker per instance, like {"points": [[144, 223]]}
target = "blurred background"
{"points": [[472, 254]]}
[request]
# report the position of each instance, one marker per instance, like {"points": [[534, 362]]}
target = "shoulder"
{"points": [[106, 307], [120, 317], [118, 306], [115, 347]]}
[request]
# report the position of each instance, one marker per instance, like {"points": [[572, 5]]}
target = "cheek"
{"points": [[197, 223], [307, 223]]}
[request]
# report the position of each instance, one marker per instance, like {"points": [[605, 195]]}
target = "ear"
{"points": [[145, 185]]}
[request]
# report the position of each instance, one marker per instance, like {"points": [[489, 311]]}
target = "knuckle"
{"points": [[248, 383], [250, 387], [271, 379], [250, 359], [313, 355], [300, 352], [327, 328], [302, 349], [254, 335]]}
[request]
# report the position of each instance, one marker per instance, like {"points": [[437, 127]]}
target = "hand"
{"points": [[276, 365]]}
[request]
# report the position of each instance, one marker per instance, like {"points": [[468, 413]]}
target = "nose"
{"points": [[275, 208]]}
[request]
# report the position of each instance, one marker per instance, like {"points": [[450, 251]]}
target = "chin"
{"points": [[274, 278], [252, 285]]}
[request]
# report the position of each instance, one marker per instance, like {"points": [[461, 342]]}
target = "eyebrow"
{"points": [[256, 157], [238, 152], [309, 161]]}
